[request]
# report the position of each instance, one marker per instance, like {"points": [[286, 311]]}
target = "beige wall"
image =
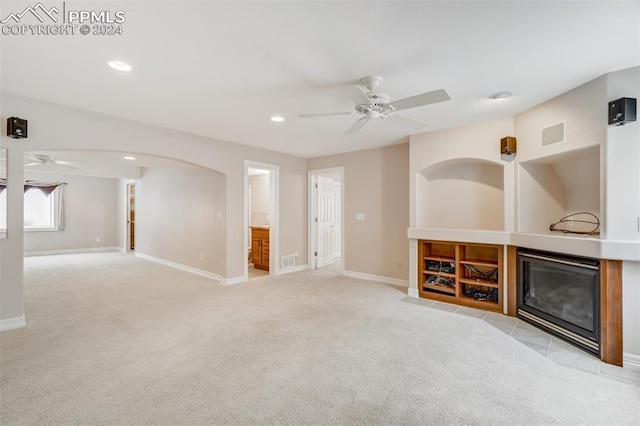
{"points": [[293, 215], [376, 183], [465, 196], [91, 212], [180, 217]]}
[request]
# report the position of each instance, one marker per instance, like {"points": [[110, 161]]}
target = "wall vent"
{"points": [[288, 261], [553, 134]]}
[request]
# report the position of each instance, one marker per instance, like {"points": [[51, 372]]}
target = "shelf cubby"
{"points": [[474, 272]]}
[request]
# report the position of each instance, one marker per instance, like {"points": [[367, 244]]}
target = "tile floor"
{"points": [[539, 341]]}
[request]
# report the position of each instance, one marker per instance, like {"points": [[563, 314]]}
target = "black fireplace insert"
{"points": [[561, 294]]}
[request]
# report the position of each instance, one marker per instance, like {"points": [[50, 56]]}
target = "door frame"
{"points": [[274, 215], [311, 208]]}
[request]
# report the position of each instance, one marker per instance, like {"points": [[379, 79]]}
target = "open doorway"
{"points": [[326, 218], [131, 216], [261, 219]]}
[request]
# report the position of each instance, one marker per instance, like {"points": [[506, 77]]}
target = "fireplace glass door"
{"points": [[562, 294]]}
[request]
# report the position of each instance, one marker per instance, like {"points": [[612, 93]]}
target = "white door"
{"points": [[325, 218]]}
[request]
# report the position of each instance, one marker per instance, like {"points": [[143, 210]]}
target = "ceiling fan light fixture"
{"points": [[119, 65], [277, 118], [500, 96], [374, 105]]}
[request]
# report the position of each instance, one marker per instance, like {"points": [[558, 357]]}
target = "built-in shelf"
{"points": [[553, 187], [578, 245], [464, 273]]}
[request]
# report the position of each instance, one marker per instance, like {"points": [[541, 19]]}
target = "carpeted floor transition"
{"points": [[113, 339]]}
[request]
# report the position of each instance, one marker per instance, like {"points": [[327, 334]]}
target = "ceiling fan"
{"points": [[373, 105], [45, 160]]}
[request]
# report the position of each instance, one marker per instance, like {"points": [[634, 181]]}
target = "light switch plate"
{"points": [[359, 216]]}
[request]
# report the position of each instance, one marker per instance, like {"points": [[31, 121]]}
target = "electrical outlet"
{"points": [[360, 216], [97, 239], [201, 257], [295, 254]]}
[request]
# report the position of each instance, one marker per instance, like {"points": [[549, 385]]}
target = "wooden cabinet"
{"points": [[260, 248], [464, 273]]}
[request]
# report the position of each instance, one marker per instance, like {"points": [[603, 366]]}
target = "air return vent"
{"points": [[553, 134], [288, 261]]}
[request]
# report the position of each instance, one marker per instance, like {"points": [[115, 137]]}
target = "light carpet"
{"points": [[114, 339]]}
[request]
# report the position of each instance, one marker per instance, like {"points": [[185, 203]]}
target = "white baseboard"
{"points": [[413, 292], [377, 278], [631, 361], [11, 323], [234, 280], [182, 267], [291, 269], [71, 251]]}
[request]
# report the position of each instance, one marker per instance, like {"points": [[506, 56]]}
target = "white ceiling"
{"points": [[221, 69]]}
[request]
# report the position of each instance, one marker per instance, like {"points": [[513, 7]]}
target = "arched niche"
{"points": [[464, 193]]}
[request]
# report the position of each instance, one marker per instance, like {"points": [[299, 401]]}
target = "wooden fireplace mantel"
{"points": [[610, 304]]}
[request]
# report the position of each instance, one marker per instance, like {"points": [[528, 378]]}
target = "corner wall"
{"points": [[376, 183], [179, 217]]}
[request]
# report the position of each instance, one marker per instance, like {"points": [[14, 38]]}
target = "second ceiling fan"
{"points": [[374, 105]]}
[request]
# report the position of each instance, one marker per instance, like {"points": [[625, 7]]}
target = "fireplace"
{"points": [[561, 294]]}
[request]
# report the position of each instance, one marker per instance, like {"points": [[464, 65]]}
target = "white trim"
{"points": [[71, 251], [631, 361], [413, 292], [234, 280], [182, 267], [11, 323], [291, 269], [377, 278]]}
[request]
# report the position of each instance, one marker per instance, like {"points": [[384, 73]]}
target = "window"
{"points": [[41, 211]]}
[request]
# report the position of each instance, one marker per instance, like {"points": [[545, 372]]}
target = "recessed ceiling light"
{"points": [[119, 65], [500, 96], [277, 118], [130, 158]]}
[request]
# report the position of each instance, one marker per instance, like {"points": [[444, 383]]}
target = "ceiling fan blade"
{"points": [[68, 164], [355, 127], [325, 114], [359, 95], [436, 96], [411, 123]]}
